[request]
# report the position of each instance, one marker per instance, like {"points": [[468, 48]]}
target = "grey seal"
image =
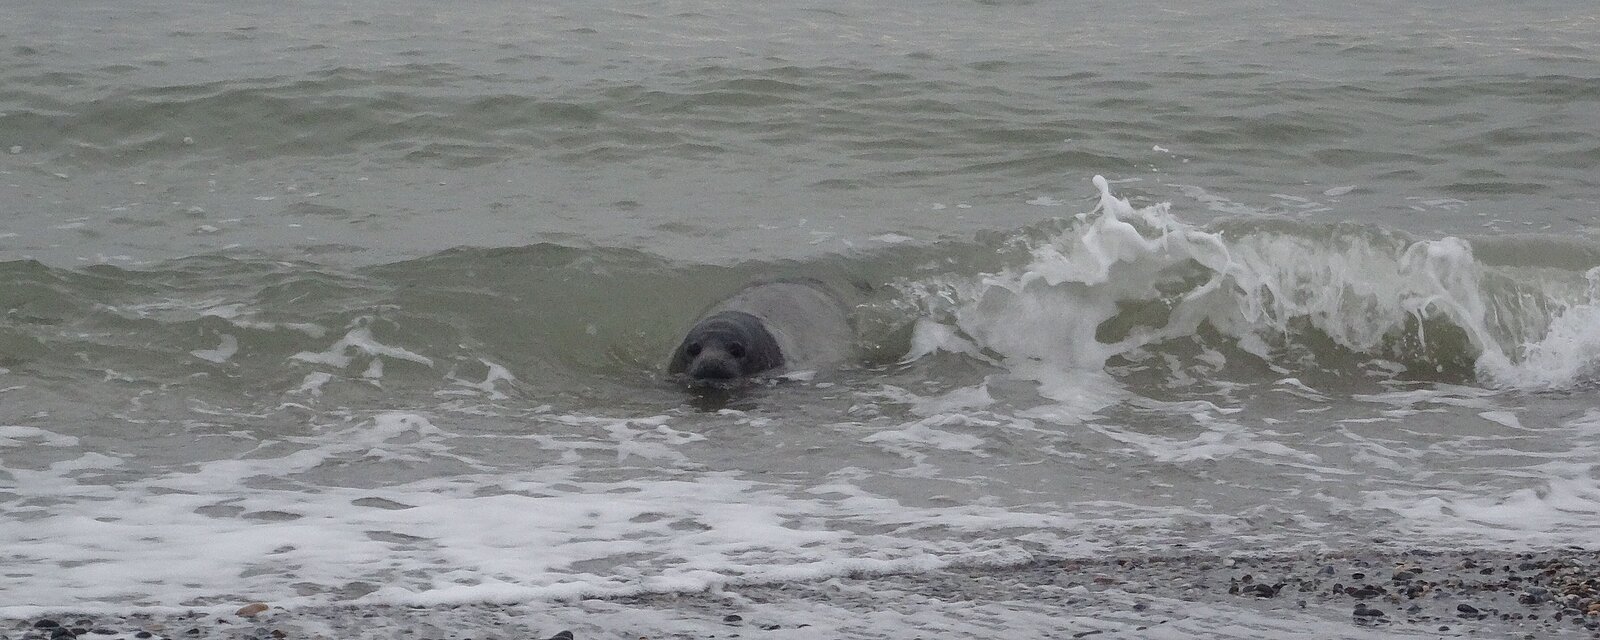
{"points": [[766, 328]]}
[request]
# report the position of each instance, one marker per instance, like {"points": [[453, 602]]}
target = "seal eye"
{"points": [[736, 350], [693, 349]]}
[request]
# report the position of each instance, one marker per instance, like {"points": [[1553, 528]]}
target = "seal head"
{"points": [[725, 347]]}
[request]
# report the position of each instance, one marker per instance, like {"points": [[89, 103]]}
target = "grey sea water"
{"points": [[370, 303]]}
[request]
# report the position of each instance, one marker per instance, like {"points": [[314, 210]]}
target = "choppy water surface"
{"points": [[370, 305]]}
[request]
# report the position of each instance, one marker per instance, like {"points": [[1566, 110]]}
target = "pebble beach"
{"points": [[1350, 594]]}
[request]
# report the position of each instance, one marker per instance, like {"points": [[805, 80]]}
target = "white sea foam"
{"points": [[313, 383], [1560, 508], [360, 340], [495, 374], [16, 436], [222, 353], [923, 433], [928, 336], [238, 527]]}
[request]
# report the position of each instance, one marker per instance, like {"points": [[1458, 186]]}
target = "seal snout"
{"points": [[713, 368], [715, 357]]}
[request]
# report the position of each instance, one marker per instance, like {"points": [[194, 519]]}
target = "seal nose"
{"points": [[713, 369]]}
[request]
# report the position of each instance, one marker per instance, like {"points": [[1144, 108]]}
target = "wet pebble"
{"points": [[1364, 592], [1259, 591], [251, 610], [1364, 611]]}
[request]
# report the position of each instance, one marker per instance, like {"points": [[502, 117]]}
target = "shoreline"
{"points": [[1338, 594]]}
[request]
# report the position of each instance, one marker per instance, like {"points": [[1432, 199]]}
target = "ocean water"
{"points": [[370, 303]]}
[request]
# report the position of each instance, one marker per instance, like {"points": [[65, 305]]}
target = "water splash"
{"points": [[1124, 280]]}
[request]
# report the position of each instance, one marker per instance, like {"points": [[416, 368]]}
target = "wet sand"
{"points": [[1350, 594]]}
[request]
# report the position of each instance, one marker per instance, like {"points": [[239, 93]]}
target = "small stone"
{"points": [[563, 635], [1365, 592], [188, 140], [1259, 591], [1466, 610], [143, 634], [251, 610], [279, 634], [732, 617], [16, 149], [46, 623]]}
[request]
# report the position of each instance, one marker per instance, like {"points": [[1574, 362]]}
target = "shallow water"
{"points": [[371, 304]]}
